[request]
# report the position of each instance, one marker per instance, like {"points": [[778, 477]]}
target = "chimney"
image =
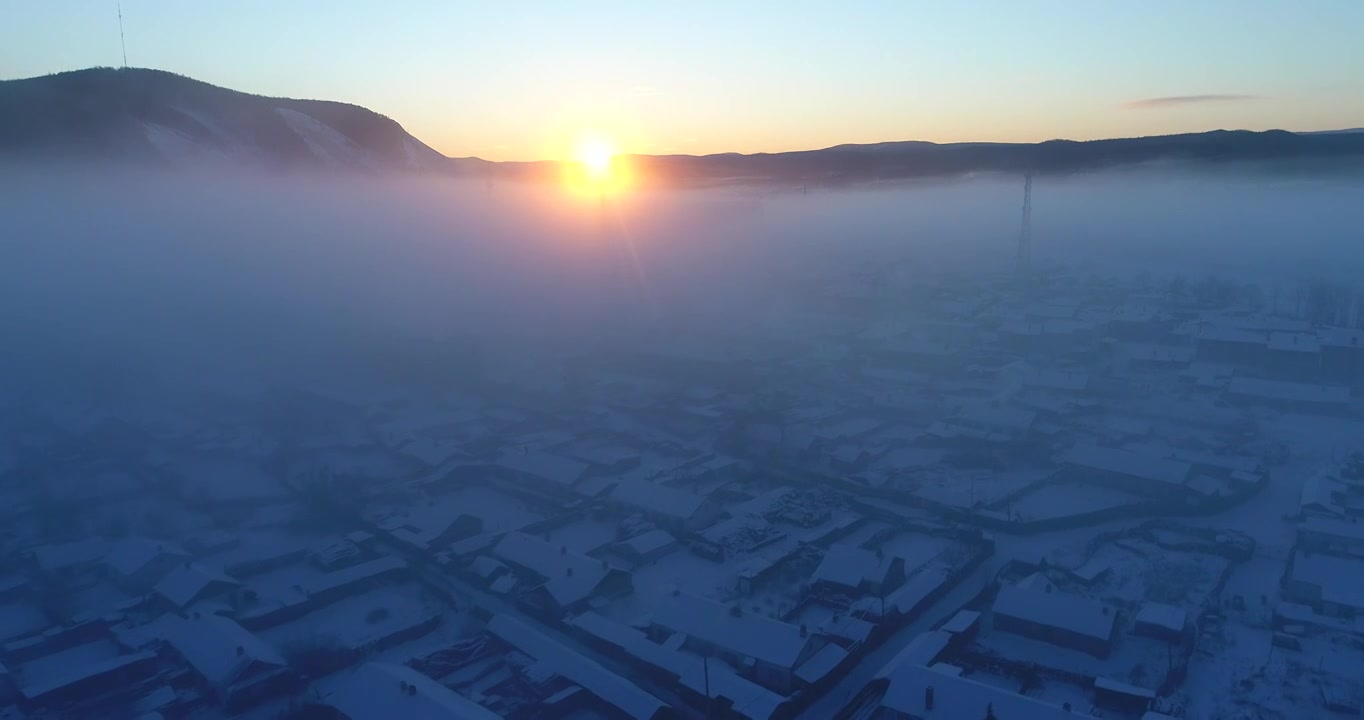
{"points": [[240, 651], [928, 698]]}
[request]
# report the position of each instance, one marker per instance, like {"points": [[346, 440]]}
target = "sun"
{"points": [[595, 153]]}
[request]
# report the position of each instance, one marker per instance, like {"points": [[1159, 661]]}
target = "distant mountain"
{"points": [[151, 116], [158, 117]]}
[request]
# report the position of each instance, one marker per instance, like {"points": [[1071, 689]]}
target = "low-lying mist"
{"points": [[123, 285]]}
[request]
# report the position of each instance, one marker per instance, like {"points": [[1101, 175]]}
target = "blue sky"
{"points": [[520, 79]]}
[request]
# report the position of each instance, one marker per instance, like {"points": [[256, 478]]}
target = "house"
{"points": [[1331, 535], [542, 471], [555, 658], [849, 567], [1289, 395], [69, 562], [1142, 473], [1293, 354], [647, 547], [237, 666], [64, 683], [771, 648], [694, 674], [193, 582], [1051, 616], [911, 691], [382, 691], [138, 564], [1330, 584], [1161, 621], [676, 510], [570, 580]]}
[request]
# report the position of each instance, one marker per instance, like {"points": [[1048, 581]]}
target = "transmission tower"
{"points": [[1025, 232]]}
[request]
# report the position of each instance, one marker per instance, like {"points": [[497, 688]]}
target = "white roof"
{"points": [[1289, 391], [130, 555], [849, 565], [650, 541], [566, 662], [661, 499], [65, 555], [219, 648], [1162, 615], [959, 698], [1064, 611], [922, 650], [821, 663], [67, 674], [961, 622], [1293, 342], [750, 635], [1125, 462], [754, 701], [1331, 527], [375, 691], [569, 576], [1341, 579], [183, 584]]}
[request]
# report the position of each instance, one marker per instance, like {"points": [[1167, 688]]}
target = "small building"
{"points": [[771, 648], [570, 580], [849, 567], [1297, 396], [383, 691], [1141, 473], [137, 564], [1122, 696], [1161, 621], [1331, 535], [676, 510], [235, 665], [193, 582], [914, 692], [1330, 584], [554, 658], [1056, 617], [647, 547]]}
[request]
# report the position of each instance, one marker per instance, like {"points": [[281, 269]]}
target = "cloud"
{"points": [[1178, 100]]}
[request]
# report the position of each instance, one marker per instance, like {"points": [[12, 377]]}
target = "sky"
{"points": [[525, 79]]}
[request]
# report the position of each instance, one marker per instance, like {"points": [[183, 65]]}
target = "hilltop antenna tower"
{"points": [[123, 43], [1025, 231]]}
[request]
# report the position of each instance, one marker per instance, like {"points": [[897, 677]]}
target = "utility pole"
{"points": [[123, 43], [1025, 231]]}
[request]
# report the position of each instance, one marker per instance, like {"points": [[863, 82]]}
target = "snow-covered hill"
{"points": [[159, 117]]}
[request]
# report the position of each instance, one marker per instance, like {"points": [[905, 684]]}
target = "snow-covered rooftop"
{"points": [[913, 687], [1144, 466], [381, 691], [750, 635], [569, 576], [566, 662], [1060, 610], [659, 499], [184, 584], [218, 648]]}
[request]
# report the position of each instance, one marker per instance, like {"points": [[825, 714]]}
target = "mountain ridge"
{"points": [[157, 117], [161, 118]]}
